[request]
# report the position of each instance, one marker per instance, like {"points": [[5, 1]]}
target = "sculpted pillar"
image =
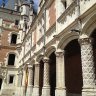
{"points": [[88, 72], [60, 73], [19, 80], [46, 86], [30, 80], [23, 82]]}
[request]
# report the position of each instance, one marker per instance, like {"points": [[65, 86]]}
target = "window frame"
{"points": [[16, 22], [11, 38], [9, 79], [8, 59]]}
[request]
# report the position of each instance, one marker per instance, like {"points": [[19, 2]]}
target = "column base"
{"points": [[46, 91], [89, 92], [60, 92], [29, 91], [23, 93], [35, 91], [17, 93]]}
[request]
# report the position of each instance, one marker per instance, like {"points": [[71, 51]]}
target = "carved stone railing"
{"points": [[86, 5], [67, 17], [50, 33]]}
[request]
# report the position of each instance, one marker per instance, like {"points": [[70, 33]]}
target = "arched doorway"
{"points": [[52, 73], [73, 69], [41, 77]]}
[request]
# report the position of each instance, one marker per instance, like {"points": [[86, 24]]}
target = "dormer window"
{"points": [[11, 79], [13, 38], [16, 22]]}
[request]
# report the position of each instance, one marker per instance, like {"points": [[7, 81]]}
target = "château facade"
{"points": [[51, 53]]}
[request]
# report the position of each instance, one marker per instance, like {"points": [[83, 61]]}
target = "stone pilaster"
{"points": [[23, 82], [88, 72], [46, 86], [60, 73], [30, 81], [36, 80], [19, 80]]}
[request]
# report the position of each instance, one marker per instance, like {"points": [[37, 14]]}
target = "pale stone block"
{"points": [[46, 91], [60, 92], [35, 91]]}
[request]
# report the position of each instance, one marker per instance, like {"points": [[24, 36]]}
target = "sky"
{"points": [[1, 1], [36, 3], [35, 6]]}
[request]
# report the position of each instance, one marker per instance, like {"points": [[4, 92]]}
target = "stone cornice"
{"points": [[51, 28], [9, 29], [10, 67], [7, 47], [85, 14], [9, 11]]}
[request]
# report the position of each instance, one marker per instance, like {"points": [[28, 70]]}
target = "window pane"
{"points": [[11, 79], [11, 59], [13, 39]]}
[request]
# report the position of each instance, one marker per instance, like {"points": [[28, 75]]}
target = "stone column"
{"points": [[46, 86], [23, 82], [88, 72], [30, 80], [36, 80], [60, 73], [19, 81]]}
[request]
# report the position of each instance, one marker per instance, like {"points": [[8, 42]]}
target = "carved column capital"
{"points": [[84, 39], [20, 72], [59, 53], [45, 59], [37, 64], [30, 66]]}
